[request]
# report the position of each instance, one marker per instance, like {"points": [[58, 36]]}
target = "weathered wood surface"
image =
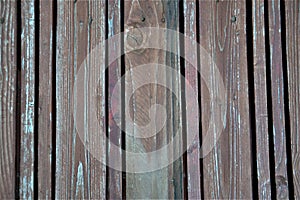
{"points": [[8, 88], [165, 182], [28, 101], [261, 104], [191, 75], [37, 94], [80, 27], [115, 180], [227, 169], [46, 106], [292, 20], [278, 114]]}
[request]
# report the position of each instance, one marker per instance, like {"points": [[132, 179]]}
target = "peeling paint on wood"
{"points": [[78, 173], [27, 100]]}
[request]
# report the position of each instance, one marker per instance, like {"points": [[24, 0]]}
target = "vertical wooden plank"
{"points": [[166, 182], [261, 109], [27, 99], [45, 122], [292, 17], [174, 104], [115, 181], [81, 26], [191, 75], [227, 168], [96, 27], [8, 70], [277, 81]]}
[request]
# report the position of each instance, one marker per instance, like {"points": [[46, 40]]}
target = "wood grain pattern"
{"points": [[27, 99], [8, 90], [227, 169], [81, 26], [191, 75], [279, 131], [27, 93], [45, 148], [292, 17], [173, 104], [115, 181], [261, 109], [166, 182]]}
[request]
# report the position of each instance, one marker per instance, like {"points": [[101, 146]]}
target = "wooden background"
{"points": [[255, 45]]}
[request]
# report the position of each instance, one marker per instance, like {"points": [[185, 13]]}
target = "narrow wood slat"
{"points": [[292, 17], [115, 182], [166, 182], [8, 88], [277, 81], [261, 109], [80, 28], [96, 171], [191, 75], [45, 148], [227, 168], [173, 103], [27, 99]]}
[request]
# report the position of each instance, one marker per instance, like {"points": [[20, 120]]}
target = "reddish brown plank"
{"points": [[276, 68], [165, 182], [261, 109], [45, 148], [96, 171], [227, 168], [27, 99], [80, 28], [8, 17], [292, 17], [115, 182], [191, 75]]}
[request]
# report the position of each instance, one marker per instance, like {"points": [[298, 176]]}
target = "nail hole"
{"points": [[163, 20], [233, 18], [143, 18]]}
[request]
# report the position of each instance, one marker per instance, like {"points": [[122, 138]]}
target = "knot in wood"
{"points": [[281, 187], [135, 38]]}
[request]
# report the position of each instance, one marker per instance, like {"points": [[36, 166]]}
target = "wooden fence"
{"points": [[255, 46]]}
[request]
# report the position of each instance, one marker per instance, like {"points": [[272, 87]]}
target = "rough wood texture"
{"points": [[81, 26], [27, 99], [227, 169], [276, 68], [261, 109], [114, 130], [45, 121], [8, 90], [191, 75], [292, 17], [166, 182]]}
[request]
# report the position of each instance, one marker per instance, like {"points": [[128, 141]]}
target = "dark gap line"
{"points": [[183, 99], [270, 104], [251, 94], [18, 101], [106, 99], [123, 141], [54, 43], [36, 99], [286, 102], [199, 95]]}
